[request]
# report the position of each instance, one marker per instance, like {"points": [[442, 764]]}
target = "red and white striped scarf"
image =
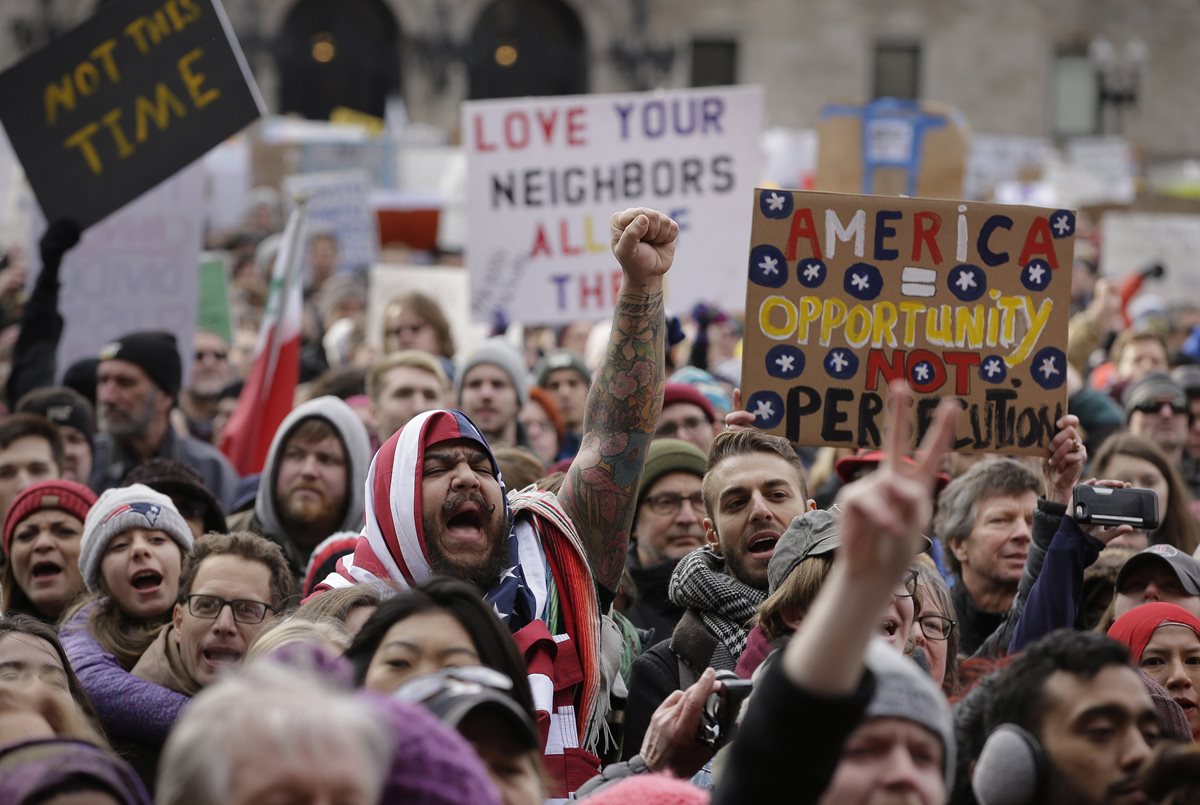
{"points": [[567, 692]]}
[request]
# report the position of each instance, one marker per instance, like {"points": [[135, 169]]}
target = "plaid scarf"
{"points": [[702, 582]]}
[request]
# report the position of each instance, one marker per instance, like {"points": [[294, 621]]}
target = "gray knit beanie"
{"points": [[903, 690], [119, 510], [497, 352]]}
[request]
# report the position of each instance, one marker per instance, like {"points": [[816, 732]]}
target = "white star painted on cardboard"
{"points": [[860, 281], [992, 367], [775, 201], [769, 265], [966, 280], [1036, 272], [922, 372], [1048, 368], [764, 410], [1062, 224], [786, 363], [812, 271], [839, 361]]}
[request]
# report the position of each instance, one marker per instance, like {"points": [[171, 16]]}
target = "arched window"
{"points": [[338, 53], [527, 47]]}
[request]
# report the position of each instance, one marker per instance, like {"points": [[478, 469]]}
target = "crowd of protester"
{"points": [[561, 562]]}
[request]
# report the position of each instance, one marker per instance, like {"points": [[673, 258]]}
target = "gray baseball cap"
{"points": [[813, 533], [1185, 568]]}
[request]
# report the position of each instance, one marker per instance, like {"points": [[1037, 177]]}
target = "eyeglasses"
{"points": [[909, 588], [209, 607], [668, 503], [1154, 407], [201, 354], [669, 429], [936, 627]]}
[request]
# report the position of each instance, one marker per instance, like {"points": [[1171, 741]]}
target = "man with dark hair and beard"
{"points": [[312, 480], [1077, 696], [137, 384], [548, 566]]}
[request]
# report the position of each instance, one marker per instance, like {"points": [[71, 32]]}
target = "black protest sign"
{"points": [[130, 97]]}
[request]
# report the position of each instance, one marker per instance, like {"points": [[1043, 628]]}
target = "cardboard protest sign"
{"points": [[994, 159], [847, 293], [339, 204], [131, 96], [136, 270], [892, 147], [1132, 241], [545, 174], [446, 284]]}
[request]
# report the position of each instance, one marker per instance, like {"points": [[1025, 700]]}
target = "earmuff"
{"points": [[1012, 768]]}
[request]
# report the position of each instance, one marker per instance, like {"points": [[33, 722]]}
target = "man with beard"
{"points": [[1076, 697], [137, 381], [490, 387], [547, 565], [312, 480], [210, 374], [753, 489]]}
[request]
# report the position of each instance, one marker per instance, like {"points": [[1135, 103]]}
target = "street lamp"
{"points": [[639, 61], [1118, 76]]}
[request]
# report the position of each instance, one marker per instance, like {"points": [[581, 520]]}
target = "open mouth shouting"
{"points": [[465, 519], [219, 656], [45, 572], [146, 581], [762, 545]]}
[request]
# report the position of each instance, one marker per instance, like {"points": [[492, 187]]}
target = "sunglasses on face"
{"points": [[1152, 407]]}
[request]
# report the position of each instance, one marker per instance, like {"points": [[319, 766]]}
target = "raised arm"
{"points": [[600, 490]]}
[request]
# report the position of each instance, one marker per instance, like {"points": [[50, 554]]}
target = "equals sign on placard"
{"points": [[918, 281]]}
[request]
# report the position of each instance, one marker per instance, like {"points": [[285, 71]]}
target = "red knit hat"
{"points": [[63, 495], [686, 392]]}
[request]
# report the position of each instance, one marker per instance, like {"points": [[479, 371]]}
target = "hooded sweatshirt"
{"points": [[356, 441], [547, 597]]}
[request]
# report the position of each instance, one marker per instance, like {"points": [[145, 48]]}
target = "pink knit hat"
{"points": [[650, 789]]}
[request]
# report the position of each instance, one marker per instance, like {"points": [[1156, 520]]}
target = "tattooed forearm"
{"points": [[600, 490]]}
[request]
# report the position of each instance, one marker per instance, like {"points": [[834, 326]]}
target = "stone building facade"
{"points": [[1018, 67]]}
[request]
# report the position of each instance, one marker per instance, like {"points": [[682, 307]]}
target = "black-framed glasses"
{"points": [[909, 586], [668, 503], [218, 354], [209, 607], [936, 627]]}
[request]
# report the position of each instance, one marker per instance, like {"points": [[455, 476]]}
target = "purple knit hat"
{"points": [[432, 764], [33, 770]]}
